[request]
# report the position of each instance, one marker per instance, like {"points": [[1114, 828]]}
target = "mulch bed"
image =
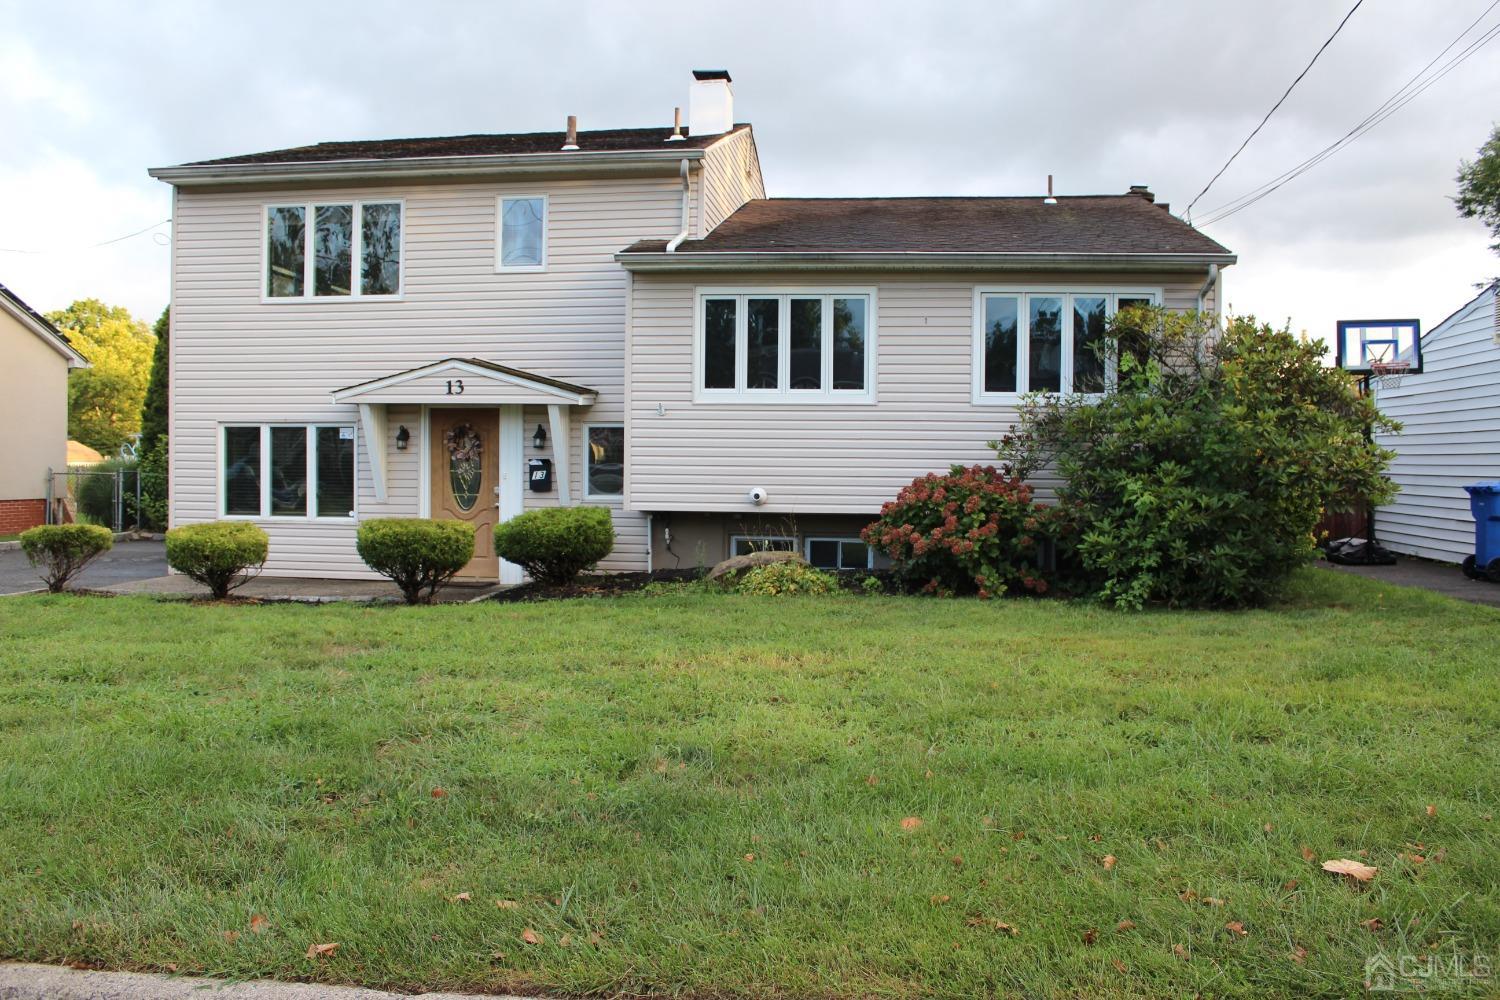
{"points": [[595, 585]]}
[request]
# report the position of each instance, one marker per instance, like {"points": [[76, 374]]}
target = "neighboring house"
{"points": [[1450, 437], [481, 325], [33, 410]]}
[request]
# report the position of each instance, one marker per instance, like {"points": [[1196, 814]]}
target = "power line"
{"points": [[1255, 131], [102, 243], [1403, 96]]}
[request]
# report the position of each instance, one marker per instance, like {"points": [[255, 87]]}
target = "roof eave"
{"points": [[49, 334], [916, 261], [602, 161]]}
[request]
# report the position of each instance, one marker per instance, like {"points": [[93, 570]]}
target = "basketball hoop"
{"points": [[1388, 374]]}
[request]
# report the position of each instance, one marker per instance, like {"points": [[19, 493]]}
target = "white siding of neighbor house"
{"points": [[1450, 416], [824, 457]]}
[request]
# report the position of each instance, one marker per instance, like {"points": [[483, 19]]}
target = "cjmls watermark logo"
{"points": [[1404, 972]]}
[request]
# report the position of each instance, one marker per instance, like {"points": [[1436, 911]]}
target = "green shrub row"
{"points": [[59, 552]]}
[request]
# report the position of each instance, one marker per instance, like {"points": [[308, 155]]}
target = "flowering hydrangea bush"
{"points": [[973, 530]]}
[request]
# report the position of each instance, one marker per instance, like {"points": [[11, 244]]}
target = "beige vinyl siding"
{"points": [[33, 410], [236, 358], [823, 457], [1450, 437], [730, 177]]}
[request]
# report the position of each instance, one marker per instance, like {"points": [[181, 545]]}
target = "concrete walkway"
{"points": [[1441, 578], [303, 589], [127, 561], [47, 982]]}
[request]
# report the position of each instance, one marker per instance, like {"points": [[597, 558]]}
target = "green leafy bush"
{"points": [[153, 472], [59, 552], [790, 577], [221, 555], [1200, 482], [420, 555], [555, 544], [974, 530]]}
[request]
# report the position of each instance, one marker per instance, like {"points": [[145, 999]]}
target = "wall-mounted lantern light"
{"points": [[403, 438], [539, 439]]}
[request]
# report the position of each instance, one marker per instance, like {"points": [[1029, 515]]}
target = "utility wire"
{"points": [[1403, 96], [1255, 131], [105, 243]]}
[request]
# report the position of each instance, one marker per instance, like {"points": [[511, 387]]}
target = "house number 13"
{"points": [[455, 387]]}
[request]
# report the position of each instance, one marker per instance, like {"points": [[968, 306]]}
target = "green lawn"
{"points": [[697, 794]]}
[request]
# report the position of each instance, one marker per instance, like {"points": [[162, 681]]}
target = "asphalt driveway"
{"points": [[126, 561]]}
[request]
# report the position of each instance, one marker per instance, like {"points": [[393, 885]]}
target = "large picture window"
{"points": [[1045, 340], [347, 249], [287, 470], [792, 346]]}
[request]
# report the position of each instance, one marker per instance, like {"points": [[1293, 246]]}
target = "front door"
{"points": [[465, 450]]}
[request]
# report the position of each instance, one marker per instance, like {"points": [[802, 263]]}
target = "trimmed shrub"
{"points": [[221, 555], [59, 552], [420, 555], [555, 544], [1201, 480], [783, 578], [973, 530]]}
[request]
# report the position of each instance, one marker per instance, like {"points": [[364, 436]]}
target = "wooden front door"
{"points": [[465, 450]]}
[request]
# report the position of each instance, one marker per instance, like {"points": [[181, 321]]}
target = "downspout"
{"points": [[1213, 279], [682, 235]]}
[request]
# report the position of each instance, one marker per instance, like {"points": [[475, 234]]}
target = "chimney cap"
{"points": [[1142, 191], [712, 74]]}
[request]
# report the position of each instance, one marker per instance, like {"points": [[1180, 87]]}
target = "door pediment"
{"points": [[465, 382]]}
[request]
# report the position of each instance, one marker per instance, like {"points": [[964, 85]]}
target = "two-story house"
{"points": [[479, 325]]}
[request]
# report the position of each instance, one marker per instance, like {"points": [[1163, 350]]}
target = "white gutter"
{"points": [[1213, 279], [682, 234], [915, 261]]}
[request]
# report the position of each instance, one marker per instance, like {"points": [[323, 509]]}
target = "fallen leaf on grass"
{"points": [[1354, 869], [530, 936], [872, 781], [1108, 861], [1289, 885], [258, 922], [1299, 955], [1307, 853], [1091, 935], [1415, 859], [1187, 895], [438, 793], [910, 823], [999, 926], [940, 900], [1235, 927], [566, 941], [506, 904], [1180, 952], [1120, 966], [1125, 925], [1212, 901], [319, 950], [231, 936], [595, 938], [1268, 828], [462, 897], [1373, 924], [749, 857], [1432, 810]]}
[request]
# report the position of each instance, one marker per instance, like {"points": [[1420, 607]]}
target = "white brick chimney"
{"points": [[710, 103]]}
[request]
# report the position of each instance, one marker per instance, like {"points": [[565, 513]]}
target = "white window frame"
{"points": [[356, 248], [588, 456], [841, 539], [784, 393], [1024, 293], [265, 514], [500, 200], [734, 541]]}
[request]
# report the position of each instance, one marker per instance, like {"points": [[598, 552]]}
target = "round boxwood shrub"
{"points": [[790, 577], [420, 555], [974, 530], [221, 555], [59, 552], [555, 544]]}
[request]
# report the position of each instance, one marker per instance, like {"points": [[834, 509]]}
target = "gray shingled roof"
{"points": [[616, 140], [1130, 223]]}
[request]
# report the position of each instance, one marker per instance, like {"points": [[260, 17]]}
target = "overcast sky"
{"points": [[867, 98]]}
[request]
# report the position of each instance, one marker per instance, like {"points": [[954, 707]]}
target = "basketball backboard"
{"points": [[1367, 344]]}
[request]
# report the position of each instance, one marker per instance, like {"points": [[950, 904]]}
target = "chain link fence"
{"points": [[85, 495]]}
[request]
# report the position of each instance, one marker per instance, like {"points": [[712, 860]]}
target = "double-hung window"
{"points": [[339, 250], [287, 470], [791, 346], [1045, 340], [521, 242]]}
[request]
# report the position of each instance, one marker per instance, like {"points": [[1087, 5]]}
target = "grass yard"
{"points": [[715, 796]]}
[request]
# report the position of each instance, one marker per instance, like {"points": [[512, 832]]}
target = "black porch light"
{"points": [[403, 438], [539, 439]]}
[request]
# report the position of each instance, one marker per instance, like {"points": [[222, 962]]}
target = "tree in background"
{"points": [[104, 401], [1479, 187], [152, 450]]}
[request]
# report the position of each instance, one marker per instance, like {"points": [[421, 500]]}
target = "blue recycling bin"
{"points": [[1484, 504]]}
